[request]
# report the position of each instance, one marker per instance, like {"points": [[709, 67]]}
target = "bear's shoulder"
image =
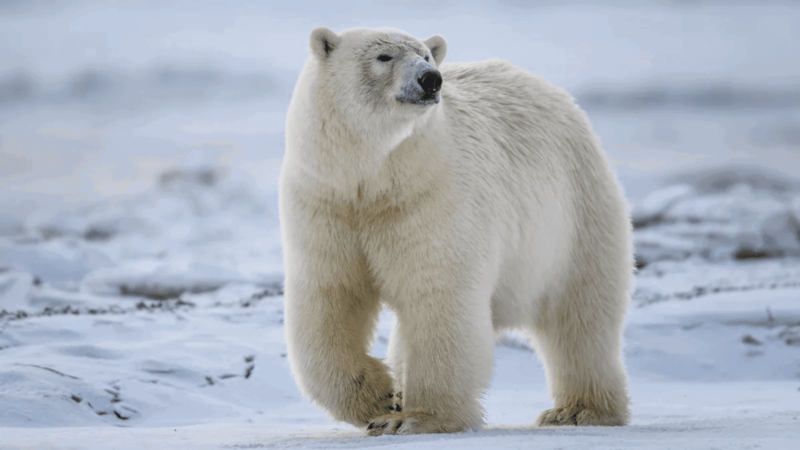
{"points": [[496, 90], [493, 71]]}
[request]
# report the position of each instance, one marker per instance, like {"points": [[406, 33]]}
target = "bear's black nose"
{"points": [[430, 81]]}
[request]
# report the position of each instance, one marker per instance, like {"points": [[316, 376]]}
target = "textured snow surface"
{"points": [[723, 214], [145, 336]]}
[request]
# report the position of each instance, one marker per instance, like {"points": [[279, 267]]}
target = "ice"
{"points": [[653, 207], [160, 280], [166, 369], [164, 330], [736, 216], [186, 235], [61, 263], [15, 289]]}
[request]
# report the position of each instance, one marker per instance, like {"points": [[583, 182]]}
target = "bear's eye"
{"points": [[384, 58], [427, 59]]}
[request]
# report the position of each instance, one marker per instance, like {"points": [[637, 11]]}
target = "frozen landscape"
{"points": [[140, 260]]}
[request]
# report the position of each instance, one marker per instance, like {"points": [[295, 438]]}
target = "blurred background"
{"points": [[135, 131], [97, 98], [141, 141]]}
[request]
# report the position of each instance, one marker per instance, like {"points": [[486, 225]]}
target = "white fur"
{"points": [[494, 209]]}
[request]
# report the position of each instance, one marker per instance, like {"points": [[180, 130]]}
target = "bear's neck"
{"points": [[353, 165]]}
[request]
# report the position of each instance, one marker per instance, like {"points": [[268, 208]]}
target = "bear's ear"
{"points": [[438, 47], [323, 41]]}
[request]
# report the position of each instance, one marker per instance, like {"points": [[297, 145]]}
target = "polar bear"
{"points": [[469, 198]]}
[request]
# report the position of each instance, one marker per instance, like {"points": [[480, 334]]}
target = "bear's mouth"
{"points": [[424, 100]]}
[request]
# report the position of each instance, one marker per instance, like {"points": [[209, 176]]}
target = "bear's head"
{"points": [[380, 81]]}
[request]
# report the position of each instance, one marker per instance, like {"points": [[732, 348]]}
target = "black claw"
{"points": [[371, 425]]}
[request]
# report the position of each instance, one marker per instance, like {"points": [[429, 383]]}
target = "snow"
{"points": [[143, 336], [740, 215], [210, 371], [140, 258]]}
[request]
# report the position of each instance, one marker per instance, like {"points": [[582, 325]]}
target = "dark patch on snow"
{"points": [[13, 315], [170, 305], [207, 177], [770, 318], [791, 336], [50, 370], [98, 234], [269, 291], [748, 253], [49, 233], [89, 85], [167, 305], [161, 371], [643, 298], [156, 306], [158, 292], [750, 340], [16, 87], [121, 412]]}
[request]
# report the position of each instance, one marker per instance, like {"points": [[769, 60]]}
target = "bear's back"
{"points": [[503, 91], [513, 107], [502, 110]]}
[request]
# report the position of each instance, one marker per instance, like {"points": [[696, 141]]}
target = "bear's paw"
{"points": [[579, 415], [370, 394], [413, 423]]}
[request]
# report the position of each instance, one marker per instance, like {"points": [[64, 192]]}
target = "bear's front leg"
{"points": [[327, 334], [331, 309], [443, 339]]}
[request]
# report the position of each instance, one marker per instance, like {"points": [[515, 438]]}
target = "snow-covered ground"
{"points": [[120, 329], [140, 260]]}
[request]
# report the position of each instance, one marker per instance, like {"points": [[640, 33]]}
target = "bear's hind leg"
{"points": [[579, 340]]}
